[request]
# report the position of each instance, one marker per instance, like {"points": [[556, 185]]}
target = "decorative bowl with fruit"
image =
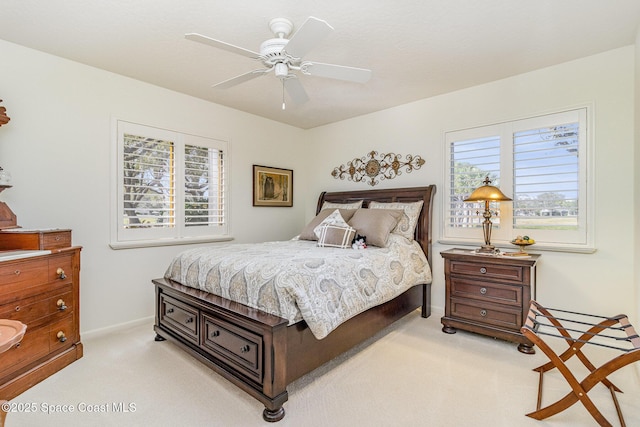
{"points": [[523, 242]]}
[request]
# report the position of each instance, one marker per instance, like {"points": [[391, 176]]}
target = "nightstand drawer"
{"points": [[487, 313], [235, 346], [486, 291], [479, 269]]}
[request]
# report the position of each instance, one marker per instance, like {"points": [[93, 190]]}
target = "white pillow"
{"points": [[332, 205]]}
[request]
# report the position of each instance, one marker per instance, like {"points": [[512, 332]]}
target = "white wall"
{"points": [[602, 282], [57, 147], [636, 181]]}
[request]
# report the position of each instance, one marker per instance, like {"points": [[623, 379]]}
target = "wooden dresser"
{"points": [[41, 291], [488, 294]]}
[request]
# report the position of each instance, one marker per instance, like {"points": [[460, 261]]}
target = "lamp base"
{"points": [[487, 249]]}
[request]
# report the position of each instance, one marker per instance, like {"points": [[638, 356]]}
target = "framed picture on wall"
{"points": [[272, 186]]}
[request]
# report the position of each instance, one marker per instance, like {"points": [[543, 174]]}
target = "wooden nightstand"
{"points": [[489, 294]]}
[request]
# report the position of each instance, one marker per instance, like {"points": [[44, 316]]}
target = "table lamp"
{"points": [[487, 193]]}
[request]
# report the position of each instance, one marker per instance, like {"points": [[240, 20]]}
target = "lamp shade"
{"points": [[487, 192]]}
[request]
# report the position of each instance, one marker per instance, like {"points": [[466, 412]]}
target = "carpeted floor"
{"points": [[411, 375]]}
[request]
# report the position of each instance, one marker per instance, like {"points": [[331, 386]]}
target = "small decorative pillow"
{"points": [[376, 224], [307, 232], [332, 205], [335, 236], [407, 223], [335, 219]]}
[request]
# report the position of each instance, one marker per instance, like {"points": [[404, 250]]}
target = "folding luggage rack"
{"points": [[614, 333]]}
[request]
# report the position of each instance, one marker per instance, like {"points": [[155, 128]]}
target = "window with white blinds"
{"points": [[541, 163], [471, 160], [170, 185]]}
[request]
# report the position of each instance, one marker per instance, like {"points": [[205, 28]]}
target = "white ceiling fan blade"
{"points": [[241, 78], [222, 45], [307, 37], [296, 91], [340, 72]]}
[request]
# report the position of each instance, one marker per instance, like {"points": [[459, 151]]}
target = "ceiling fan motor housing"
{"points": [[273, 47]]}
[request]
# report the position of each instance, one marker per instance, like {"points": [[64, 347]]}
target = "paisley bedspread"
{"points": [[296, 279]]}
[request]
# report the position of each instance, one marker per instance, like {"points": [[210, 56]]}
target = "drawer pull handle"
{"points": [[57, 238], [483, 313], [17, 272], [169, 310], [215, 333], [245, 349], [483, 270], [61, 337], [483, 291], [60, 273], [61, 305], [189, 320], [17, 308], [17, 345]]}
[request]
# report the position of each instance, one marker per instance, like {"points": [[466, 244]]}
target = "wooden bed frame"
{"points": [[257, 351]]}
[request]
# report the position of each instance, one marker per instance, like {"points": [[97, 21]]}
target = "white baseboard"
{"points": [[97, 333]]}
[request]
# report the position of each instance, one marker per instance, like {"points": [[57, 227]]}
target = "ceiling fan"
{"points": [[284, 55]]}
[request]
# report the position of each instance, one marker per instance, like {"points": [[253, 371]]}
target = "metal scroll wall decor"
{"points": [[374, 168]]}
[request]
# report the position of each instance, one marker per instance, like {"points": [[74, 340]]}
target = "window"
{"points": [[541, 163], [171, 187]]}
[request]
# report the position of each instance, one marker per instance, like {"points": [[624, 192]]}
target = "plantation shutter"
{"points": [[204, 186], [471, 160], [546, 177], [148, 177], [171, 187]]}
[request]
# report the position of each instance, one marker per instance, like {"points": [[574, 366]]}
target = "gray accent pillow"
{"points": [[375, 224], [307, 232], [407, 223]]}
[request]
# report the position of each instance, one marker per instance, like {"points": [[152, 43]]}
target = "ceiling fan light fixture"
{"points": [[281, 70]]}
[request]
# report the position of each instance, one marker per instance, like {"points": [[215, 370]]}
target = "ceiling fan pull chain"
{"points": [[283, 105]]}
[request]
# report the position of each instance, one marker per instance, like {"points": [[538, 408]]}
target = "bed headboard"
{"points": [[412, 194]]}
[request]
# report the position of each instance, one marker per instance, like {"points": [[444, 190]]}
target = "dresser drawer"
{"points": [[487, 313], [486, 291], [56, 239], [21, 274], [38, 343], [235, 346], [40, 308], [49, 239], [179, 318], [479, 269], [34, 345]]}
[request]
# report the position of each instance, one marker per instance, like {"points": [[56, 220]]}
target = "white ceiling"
{"points": [[415, 48]]}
